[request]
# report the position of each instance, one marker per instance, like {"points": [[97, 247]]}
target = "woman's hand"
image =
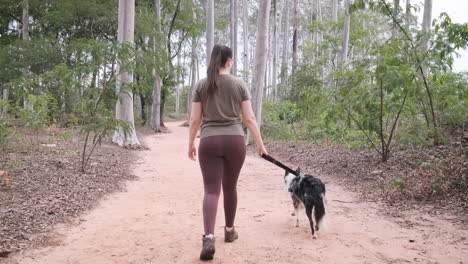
{"points": [[261, 150], [192, 152]]}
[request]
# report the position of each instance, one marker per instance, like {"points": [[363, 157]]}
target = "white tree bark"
{"points": [[396, 10], [285, 30], [25, 37], [233, 28], [25, 20], [261, 52], [408, 12], [124, 105], [245, 21], [178, 88], [5, 96], [334, 12], [194, 76], [156, 106], [275, 49], [294, 47], [209, 29], [426, 24], [346, 28]]}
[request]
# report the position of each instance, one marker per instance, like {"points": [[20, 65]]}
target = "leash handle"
{"points": [[279, 164]]}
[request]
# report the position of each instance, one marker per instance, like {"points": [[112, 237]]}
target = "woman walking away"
{"points": [[217, 104]]}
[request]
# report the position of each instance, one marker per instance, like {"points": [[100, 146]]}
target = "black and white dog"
{"points": [[307, 191]]}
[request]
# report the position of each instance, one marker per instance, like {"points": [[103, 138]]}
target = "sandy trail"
{"points": [[159, 220]]}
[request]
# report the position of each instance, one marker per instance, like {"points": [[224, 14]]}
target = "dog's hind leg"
{"points": [[309, 215], [296, 204]]}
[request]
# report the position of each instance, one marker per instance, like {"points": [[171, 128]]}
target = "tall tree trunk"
{"points": [[178, 88], [209, 30], [233, 28], [426, 28], [156, 106], [25, 37], [346, 28], [334, 13], [245, 21], [284, 57], [138, 106], [25, 20], [261, 51], [396, 10], [5, 96], [426, 24], [275, 49], [124, 105], [194, 76], [408, 12], [294, 46]]}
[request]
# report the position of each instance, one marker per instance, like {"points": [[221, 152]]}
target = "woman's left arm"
{"points": [[195, 122]]}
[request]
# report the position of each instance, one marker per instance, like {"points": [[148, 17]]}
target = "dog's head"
{"points": [[289, 177]]}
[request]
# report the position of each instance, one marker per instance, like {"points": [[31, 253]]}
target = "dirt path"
{"points": [[158, 220]]}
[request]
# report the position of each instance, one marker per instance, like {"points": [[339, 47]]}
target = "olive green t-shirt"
{"points": [[221, 110]]}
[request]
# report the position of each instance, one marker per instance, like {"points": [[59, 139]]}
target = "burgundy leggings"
{"points": [[221, 159]]}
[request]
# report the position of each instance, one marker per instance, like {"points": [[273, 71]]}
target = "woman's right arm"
{"points": [[251, 123]]}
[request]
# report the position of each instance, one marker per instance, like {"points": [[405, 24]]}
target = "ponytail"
{"points": [[219, 57]]}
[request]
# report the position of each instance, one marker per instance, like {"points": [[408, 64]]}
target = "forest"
{"points": [[353, 76]]}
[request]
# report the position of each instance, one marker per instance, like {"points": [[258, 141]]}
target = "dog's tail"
{"points": [[320, 211]]}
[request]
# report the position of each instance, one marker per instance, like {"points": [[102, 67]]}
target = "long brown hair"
{"points": [[219, 57]]}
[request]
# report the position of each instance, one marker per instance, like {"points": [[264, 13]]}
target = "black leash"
{"points": [[279, 164]]}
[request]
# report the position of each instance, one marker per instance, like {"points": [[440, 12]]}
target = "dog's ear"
{"points": [[298, 171], [285, 173]]}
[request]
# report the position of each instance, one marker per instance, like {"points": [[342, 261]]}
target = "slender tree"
{"points": [[245, 33], [426, 24], [179, 79], [124, 105], [396, 10], [156, 106], [334, 11], [294, 45], [25, 37], [408, 12], [193, 65], [285, 44], [233, 29], [275, 49], [209, 29], [258, 80], [346, 29]]}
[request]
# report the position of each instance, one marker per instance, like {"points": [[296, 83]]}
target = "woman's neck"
{"points": [[223, 71]]}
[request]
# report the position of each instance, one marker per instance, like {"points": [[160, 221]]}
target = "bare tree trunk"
{"points": [[408, 12], [194, 76], [334, 13], [5, 96], [426, 24], [124, 105], [261, 51], [245, 21], [294, 46], [275, 50], [209, 29], [346, 28], [396, 10], [138, 106], [233, 28], [285, 29], [25, 37], [179, 79], [156, 106], [25, 20]]}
